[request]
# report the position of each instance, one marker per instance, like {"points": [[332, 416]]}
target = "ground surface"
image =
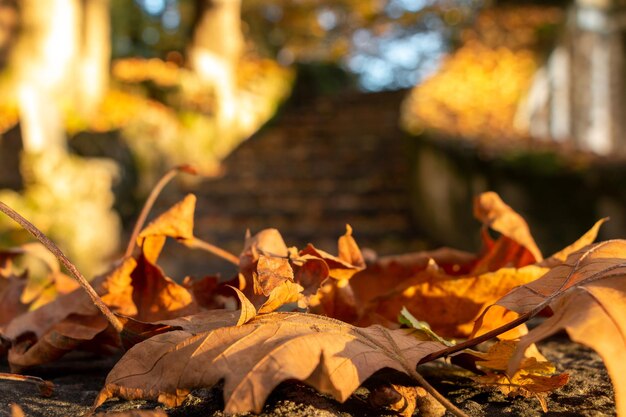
{"points": [[78, 379]]}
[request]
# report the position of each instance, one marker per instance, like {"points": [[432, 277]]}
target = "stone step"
{"points": [[313, 170]]}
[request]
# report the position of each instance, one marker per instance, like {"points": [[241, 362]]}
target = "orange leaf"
{"points": [[248, 312], [11, 306], [285, 293], [156, 296], [404, 400], [349, 250], [533, 378], [494, 213], [271, 272], [177, 222], [587, 294], [449, 304]]}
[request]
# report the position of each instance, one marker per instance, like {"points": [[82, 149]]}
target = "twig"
{"points": [[52, 247], [196, 243], [486, 336], [438, 396], [45, 387], [141, 220]]}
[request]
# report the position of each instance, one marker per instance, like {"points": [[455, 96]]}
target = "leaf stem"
{"points": [[196, 243], [437, 395], [141, 220], [485, 336], [45, 387], [52, 247]]}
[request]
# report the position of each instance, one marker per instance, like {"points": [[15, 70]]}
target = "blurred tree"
{"points": [[215, 50], [9, 24], [62, 59], [95, 54], [388, 42]]}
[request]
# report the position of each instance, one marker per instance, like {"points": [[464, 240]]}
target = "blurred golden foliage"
{"points": [[9, 116], [135, 70], [165, 115], [478, 88]]}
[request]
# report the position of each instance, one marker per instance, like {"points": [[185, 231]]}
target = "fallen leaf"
{"points": [[333, 357], [73, 332], [496, 214], [156, 296], [177, 222], [404, 400], [16, 411], [390, 271], [447, 288], [533, 378], [116, 290], [338, 268], [333, 297], [587, 294], [349, 250], [267, 242], [310, 272], [286, 293], [11, 305], [20, 291], [136, 288], [248, 312], [449, 304], [46, 388], [271, 272], [423, 328]]}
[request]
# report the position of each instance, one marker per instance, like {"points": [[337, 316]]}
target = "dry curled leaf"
{"points": [[449, 304], [177, 222], [450, 289], [156, 296], [533, 378], [20, 291], [334, 296], [16, 411], [404, 400], [333, 357], [587, 294], [497, 215], [271, 271], [135, 287], [11, 306]]}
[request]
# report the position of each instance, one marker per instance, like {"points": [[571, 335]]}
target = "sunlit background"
{"points": [[99, 97]]}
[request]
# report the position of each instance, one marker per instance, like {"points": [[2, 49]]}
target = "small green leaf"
{"points": [[406, 318]]}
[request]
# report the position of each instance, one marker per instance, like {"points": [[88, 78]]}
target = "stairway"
{"points": [[317, 167]]}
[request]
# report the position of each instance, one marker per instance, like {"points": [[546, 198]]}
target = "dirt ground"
{"points": [[78, 378]]}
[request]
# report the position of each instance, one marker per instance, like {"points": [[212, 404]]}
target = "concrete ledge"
{"points": [[559, 194]]}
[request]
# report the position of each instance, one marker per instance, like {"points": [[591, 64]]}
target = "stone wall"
{"points": [[560, 195]]}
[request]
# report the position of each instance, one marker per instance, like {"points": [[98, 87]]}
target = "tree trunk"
{"points": [[215, 51], [62, 59], [45, 62], [95, 55]]}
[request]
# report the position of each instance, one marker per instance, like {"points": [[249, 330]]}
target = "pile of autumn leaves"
{"points": [[251, 332]]}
